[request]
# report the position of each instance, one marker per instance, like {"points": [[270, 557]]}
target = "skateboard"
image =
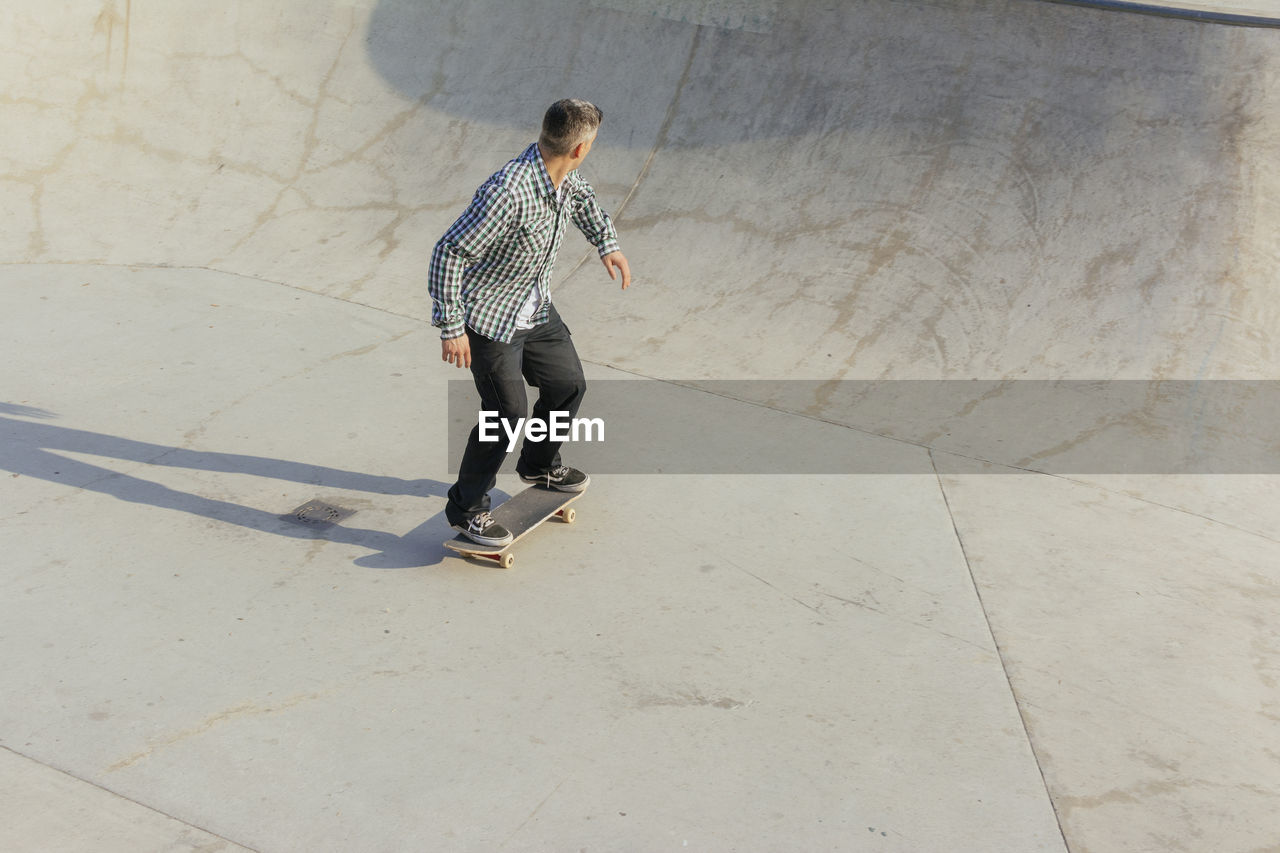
{"points": [[520, 514]]}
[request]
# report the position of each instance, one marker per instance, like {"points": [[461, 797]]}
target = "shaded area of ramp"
{"points": [[972, 190]]}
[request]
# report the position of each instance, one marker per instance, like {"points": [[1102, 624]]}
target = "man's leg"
{"points": [[550, 364], [495, 367]]}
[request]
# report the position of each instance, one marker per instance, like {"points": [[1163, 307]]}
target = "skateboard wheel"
{"points": [[507, 561], [569, 515]]}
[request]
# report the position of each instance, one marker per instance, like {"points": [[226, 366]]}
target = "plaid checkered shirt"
{"points": [[504, 245]]}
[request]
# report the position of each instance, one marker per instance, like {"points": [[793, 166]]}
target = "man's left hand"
{"points": [[615, 261]]}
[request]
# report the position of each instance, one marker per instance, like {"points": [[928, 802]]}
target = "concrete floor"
{"points": [[213, 305]]}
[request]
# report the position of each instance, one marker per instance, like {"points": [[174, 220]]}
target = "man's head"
{"points": [[568, 124]]}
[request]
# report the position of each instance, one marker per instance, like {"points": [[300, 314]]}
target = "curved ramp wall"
{"points": [[890, 188]]}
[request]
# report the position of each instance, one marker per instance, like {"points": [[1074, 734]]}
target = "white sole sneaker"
{"points": [[480, 539]]}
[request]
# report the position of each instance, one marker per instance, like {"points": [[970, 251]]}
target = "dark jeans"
{"points": [[546, 358]]}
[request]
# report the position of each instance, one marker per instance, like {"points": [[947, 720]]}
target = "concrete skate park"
{"points": [[228, 621]]}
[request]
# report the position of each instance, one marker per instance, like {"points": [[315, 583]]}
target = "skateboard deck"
{"points": [[520, 514]]}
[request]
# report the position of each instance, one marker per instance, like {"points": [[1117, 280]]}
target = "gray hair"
{"points": [[567, 123]]}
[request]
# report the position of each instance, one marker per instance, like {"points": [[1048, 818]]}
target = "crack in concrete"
{"points": [[1152, 502], [808, 607], [659, 143], [138, 803], [248, 709], [532, 814], [202, 426], [311, 142], [931, 629], [1013, 693]]}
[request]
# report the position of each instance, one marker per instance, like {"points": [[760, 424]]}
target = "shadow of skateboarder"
{"points": [[30, 446]]}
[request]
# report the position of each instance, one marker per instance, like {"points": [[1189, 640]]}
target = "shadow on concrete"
{"points": [[668, 78], [31, 448], [501, 64]]}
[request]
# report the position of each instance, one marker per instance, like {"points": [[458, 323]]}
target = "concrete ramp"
{"points": [[904, 190], [216, 225]]}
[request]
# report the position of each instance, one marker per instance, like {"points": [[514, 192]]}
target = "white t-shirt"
{"points": [[524, 320]]}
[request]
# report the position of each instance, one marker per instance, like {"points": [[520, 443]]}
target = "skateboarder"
{"points": [[490, 285]]}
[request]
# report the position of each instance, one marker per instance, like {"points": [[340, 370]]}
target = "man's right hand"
{"points": [[456, 351]]}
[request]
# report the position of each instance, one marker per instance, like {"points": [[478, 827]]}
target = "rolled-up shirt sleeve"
{"points": [[465, 243]]}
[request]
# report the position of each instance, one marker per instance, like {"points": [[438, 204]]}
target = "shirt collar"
{"points": [[533, 155]]}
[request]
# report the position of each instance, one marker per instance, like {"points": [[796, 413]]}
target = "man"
{"points": [[490, 283]]}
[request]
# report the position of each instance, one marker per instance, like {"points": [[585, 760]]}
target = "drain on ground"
{"points": [[318, 514]]}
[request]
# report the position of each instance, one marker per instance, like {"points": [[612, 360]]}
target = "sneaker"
{"points": [[483, 530], [564, 479]]}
